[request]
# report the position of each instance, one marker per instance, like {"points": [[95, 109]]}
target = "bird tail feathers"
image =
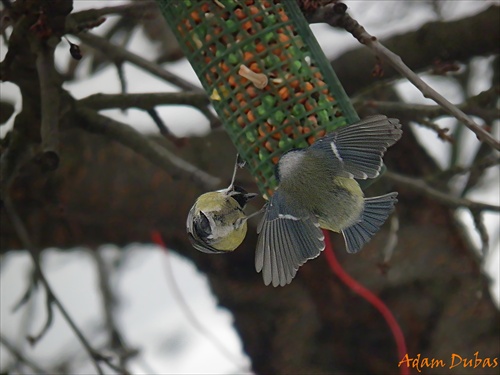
{"points": [[375, 212]]}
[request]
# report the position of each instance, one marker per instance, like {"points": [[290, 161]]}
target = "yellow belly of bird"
{"points": [[230, 243], [348, 208]]}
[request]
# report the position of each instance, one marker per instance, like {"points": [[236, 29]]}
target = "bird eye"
{"points": [[202, 226]]}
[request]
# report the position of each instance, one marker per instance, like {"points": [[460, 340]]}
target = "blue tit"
{"points": [[317, 188], [216, 223]]}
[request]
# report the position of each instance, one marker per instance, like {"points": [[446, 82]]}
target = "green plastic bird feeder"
{"points": [[268, 79]]}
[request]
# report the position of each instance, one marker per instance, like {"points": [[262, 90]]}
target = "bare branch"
{"points": [[442, 133], [144, 101], [121, 77], [153, 113], [191, 317], [478, 168], [152, 151], [481, 229], [90, 15], [336, 15], [20, 357], [392, 241], [108, 302], [428, 91], [119, 54], [33, 339], [49, 97], [419, 111], [23, 234], [421, 187], [148, 101]]}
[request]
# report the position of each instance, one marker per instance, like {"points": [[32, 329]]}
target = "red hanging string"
{"points": [[366, 294]]}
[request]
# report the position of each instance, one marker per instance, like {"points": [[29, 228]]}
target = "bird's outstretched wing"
{"points": [[356, 151], [288, 237]]}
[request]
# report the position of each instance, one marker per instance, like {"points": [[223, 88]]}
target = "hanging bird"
{"points": [[317, 189], [216, 223]]}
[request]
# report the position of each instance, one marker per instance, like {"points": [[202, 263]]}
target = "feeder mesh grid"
{"points": [[302, 100]]}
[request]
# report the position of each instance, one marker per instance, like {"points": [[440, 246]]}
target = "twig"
{"points": [[392, 241], [191, 317], [421, 186], [335, 15], [145, 101], [442, 133], [89, 15], [418, 111], [213, 120], [478, 168], [108, 303], [121, 76], [49, 97], [116, 53], [20, 357], [108, 361], [153, 113], [23, 235], [126, 135], [483, 232], [27, 294], [33, 339]]}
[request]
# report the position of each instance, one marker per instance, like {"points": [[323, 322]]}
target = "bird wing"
{"points": [[288, 237], [356, 150], [201, 246]]}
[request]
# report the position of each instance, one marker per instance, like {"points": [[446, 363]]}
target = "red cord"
{"points": [[366, 294], [157, 238]]}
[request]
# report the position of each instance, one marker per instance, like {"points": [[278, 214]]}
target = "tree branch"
{"points": [[23, 235], [421, 187], [134, 140], [119, 54], [144, 101], [116, 340], [20, 357], [478, 167], [458, 40], [343, 20], [419, 111], [148, 101], [50, 100], [90, 15]]}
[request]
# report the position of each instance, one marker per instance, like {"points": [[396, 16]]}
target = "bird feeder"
{"points": [[267, 77]]}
